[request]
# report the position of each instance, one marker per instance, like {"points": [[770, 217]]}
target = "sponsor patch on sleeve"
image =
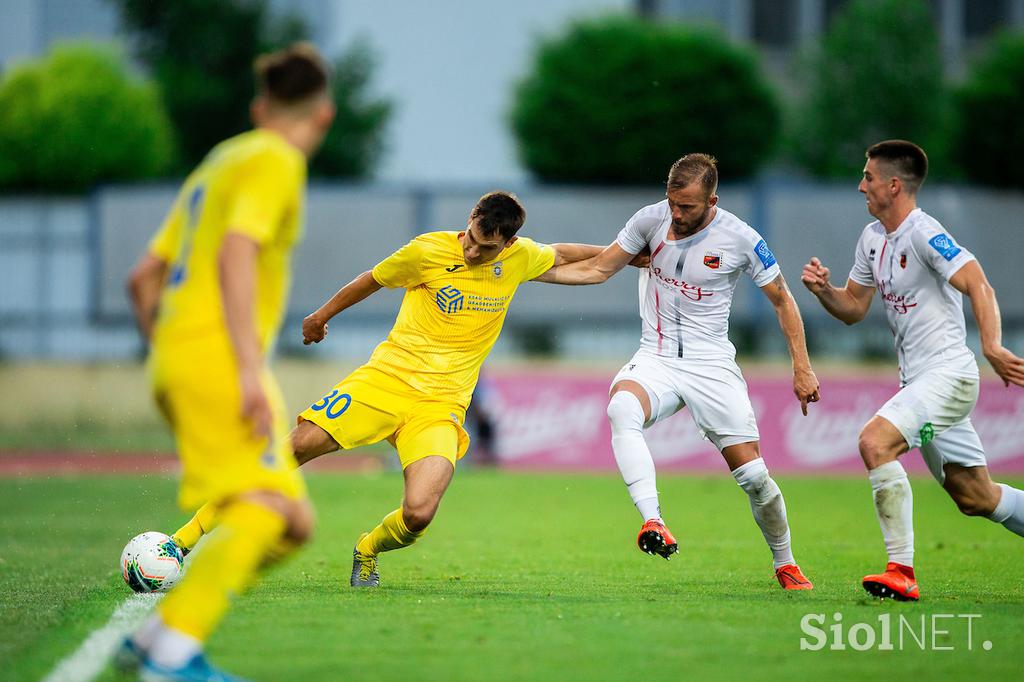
{"points": [[765, 254], [945, 245]]}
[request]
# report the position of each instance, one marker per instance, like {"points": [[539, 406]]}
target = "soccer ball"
{"points": [[151, 562]]}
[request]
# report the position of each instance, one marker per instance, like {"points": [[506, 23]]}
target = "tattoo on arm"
{"points": [[777, 290]]}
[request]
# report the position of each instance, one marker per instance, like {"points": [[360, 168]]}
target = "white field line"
{"points": [[91, 657]]}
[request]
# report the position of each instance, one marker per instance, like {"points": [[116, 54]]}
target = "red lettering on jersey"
{"points": [[898, 303], [690, 291]]}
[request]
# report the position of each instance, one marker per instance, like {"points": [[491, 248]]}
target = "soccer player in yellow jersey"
{"points": [[209, 293], [416, 387]]}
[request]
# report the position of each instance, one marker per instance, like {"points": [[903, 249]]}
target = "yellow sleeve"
{"points": [[402, 268], [164, 244], [264, 189], [540, 258]]}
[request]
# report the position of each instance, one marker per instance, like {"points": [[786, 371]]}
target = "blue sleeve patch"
{"points": [[765, 254], [945, 245]]}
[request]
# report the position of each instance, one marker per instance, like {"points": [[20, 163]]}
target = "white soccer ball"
{"points": [[151, 562]]}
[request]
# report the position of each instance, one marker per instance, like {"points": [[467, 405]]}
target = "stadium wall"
{"points": [[63, 263]]}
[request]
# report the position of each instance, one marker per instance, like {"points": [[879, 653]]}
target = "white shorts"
{"points": [[714, 390], [933, 414]]}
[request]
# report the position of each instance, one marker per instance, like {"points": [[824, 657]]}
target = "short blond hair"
{"points": [[702, 168]]}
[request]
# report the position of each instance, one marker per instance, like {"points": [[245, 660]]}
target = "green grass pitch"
{"points": [[532, 577]]}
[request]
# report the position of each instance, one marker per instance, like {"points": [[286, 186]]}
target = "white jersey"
{"points": [[911, 268], [686, 293]]}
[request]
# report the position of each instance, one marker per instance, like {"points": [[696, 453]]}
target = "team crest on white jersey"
{"points": [[903, 260], [713, 259]]}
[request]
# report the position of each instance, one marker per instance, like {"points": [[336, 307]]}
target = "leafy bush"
{"points": [[990, 108], [617, 100], [876, 75], [76, 118]]}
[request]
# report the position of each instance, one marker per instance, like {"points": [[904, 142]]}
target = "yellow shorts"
{"points": [[369, 406], [196, 388]]}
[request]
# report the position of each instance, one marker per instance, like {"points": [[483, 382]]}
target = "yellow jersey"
{"points": [[251, 184], [452, 312]]}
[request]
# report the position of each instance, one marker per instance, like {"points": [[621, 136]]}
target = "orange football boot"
{"points": [[655, 538], [898, 582], [792, 578]]}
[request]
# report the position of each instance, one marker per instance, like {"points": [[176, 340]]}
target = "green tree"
{"points": [[77, 117], [356, 140], [617, 100], [990, 108], [877, 74], [201, 54]]}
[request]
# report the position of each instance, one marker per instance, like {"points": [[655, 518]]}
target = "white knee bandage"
{"points": [[625, 413]]}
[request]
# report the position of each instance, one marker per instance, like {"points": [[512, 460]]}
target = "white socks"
{"points": [[1010, 510], [894, 506], [164, 646], [148, 631], [768, 507], [626, 415]]}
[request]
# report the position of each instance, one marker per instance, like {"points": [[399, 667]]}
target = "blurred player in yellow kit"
{"points": [[416, 387], [209, 293]]}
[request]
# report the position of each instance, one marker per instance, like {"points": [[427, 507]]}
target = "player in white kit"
{"points": [[920, 273], [698, 251]]}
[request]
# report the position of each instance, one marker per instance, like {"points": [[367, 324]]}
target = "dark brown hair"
{"points": [[292, 75], [499, 213], [906, 160], [702, 168]]}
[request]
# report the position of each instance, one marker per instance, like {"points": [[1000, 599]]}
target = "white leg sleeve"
{"points": [[768, 507], [1010, 510], [626, 415], [894, 506]]}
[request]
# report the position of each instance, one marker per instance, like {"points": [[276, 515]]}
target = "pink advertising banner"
{"points": [[557, 421]]}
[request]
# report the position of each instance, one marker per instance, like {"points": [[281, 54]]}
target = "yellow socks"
{"points": [[205, 520], [392, 533], [280, 551], [227, 563]]}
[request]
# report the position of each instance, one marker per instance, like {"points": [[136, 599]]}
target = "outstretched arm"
{"points": [[314, 327], [144, 284], [805, 383], [593, 269], [849, 304], [971, 280], [573, 253]]}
